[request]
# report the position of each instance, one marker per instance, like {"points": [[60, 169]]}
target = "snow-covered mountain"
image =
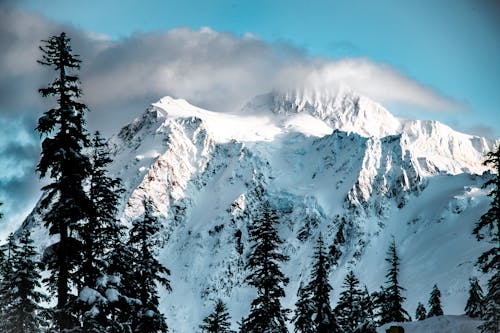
{"points": [[336, 163]]}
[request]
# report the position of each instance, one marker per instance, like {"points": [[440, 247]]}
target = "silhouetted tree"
{"points": [[421, 312], [65, 201], [475, 302], [217, 321], [266, 313]]}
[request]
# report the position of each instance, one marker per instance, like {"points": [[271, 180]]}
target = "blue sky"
{"points": [[452, 46], [421, 59]]}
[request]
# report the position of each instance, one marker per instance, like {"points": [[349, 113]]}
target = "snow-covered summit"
{"points": [[335, 164]]}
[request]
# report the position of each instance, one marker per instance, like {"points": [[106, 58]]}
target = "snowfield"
{"points": [[441, 324], [329, 162]]}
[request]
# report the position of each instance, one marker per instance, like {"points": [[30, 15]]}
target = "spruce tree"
{"points": [[491, 316], [24, 314], [144, 242], [435, 308], [318, 291], [368, 306], [380, 304], [393, 309], [99, 233], [217, 321], [266, 313], [349, 310], [475, 302], [489, 227], [7, 282], [303, 313], [421, 312], [65, 201]]}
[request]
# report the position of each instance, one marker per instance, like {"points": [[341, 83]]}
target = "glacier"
{"points": [[333, 162]]}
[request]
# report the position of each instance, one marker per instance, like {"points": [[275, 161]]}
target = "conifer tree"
{"points": [[380, 305], [65, 200], [489, 224], [319, 289], [421, 312], [368, 306], [217, 321], [435, 308], [303, 313], [475, 307], [144, 242], [266, 313], [349, 309], [8, 276], [489, 227], [99, 233], [393, 309], [24, 314], [491, 315]]}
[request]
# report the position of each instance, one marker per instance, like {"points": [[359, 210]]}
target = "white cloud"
{"points": [[215, 70]]}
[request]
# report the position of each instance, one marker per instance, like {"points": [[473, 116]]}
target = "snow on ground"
{"points": [[441, 324]]}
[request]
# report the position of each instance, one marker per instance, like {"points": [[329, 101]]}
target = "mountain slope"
{"points": [[338, 164]]}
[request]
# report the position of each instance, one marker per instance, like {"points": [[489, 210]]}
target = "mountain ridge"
{"points": [[200, 170]]}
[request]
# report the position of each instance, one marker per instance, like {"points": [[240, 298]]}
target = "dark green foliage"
{"points": [[21, 310], [266, 313], [147, 271], [313, 312], [491, 314], [489, 225], [349, 311], [102, 237], [304, 310], [421, 312], [65, 200], [435, 308], [475, 302], [392, 309], [217, 321]]}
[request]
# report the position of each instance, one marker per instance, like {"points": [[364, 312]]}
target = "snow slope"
{"points": [[441, 324], [330, 163]]}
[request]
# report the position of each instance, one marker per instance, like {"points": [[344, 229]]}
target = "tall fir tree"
{"points": [[303, 313], [318, 291], [266, 313], [393, 307], [435, 308], [65, 200], [148, 271], [99, 233], [420, 312], [489, 227], [491, 316], [475, 303], [24, 314], [349, 309], [218, 321], [8, 275]]}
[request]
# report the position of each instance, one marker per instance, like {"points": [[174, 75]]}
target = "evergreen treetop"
{"points": [[349, 311], [218, 321], [22, 313], [435, 308], [475, 303], [266, 313], [421, 312], [65, 200], [489, 223], [393, 309]]}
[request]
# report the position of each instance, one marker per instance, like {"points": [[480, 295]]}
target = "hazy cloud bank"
{"points": [[218, 71]]}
